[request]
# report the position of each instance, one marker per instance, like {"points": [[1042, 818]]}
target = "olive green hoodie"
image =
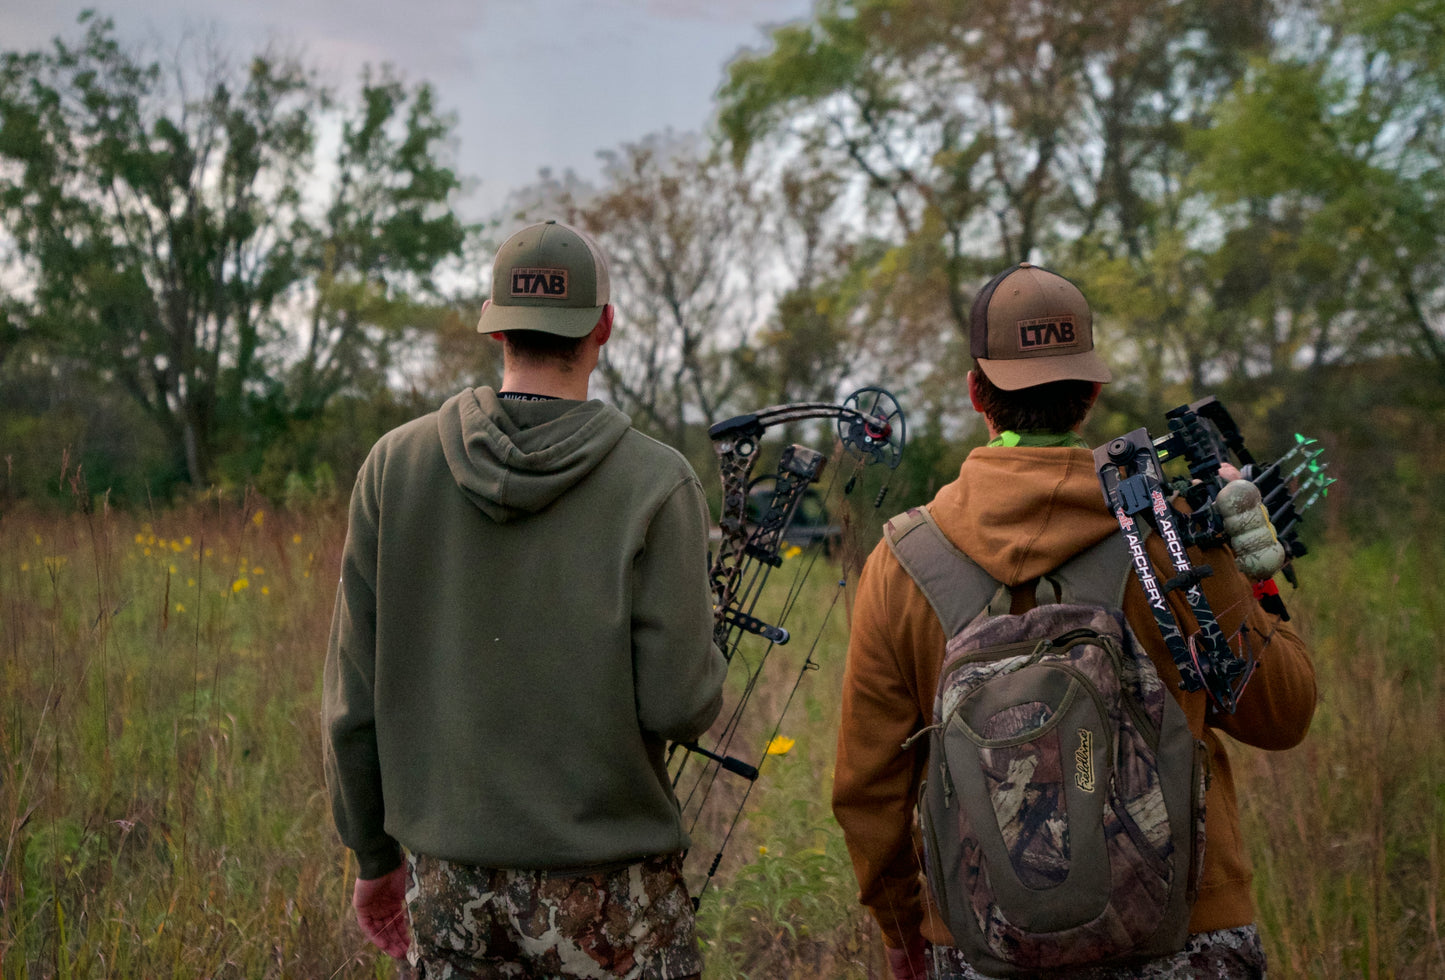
{"points": [[523, 621]]}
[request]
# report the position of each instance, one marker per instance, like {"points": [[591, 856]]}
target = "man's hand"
{"points": [[380, 905], [910, 963]]}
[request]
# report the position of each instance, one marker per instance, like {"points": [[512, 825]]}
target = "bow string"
{"points": [[756, 516]]}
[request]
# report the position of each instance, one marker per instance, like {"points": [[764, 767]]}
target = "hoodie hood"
{"points": [[1020, 512], [513, 458]]}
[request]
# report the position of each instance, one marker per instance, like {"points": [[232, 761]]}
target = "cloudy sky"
{"points": [[533, 83]]}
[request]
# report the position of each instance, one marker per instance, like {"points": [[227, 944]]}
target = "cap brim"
{"points": [[1014, 373], [562, 321]]}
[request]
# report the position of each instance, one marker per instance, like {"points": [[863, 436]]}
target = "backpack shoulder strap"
{"points": [[958, 589], [954, 584], [1096, 576]]}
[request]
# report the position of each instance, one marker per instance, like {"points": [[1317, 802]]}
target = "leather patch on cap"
{"points": [[544, 283], [1047, 332]]}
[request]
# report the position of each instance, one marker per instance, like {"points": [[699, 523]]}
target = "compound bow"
{"points": [[871, 429], [1203, 435]]}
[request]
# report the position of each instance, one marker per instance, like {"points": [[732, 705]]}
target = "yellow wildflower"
{"points": [[781, 745], [295, 539], [762, 850], [176, 546], [140, 539], [180, 608], [258, 570], [258, 518], [240, 584], [187, 541], [265, 590], [792, 551], [25, 566]]}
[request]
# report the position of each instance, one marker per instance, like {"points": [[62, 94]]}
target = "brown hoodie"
{"points": [[1020, 512]]}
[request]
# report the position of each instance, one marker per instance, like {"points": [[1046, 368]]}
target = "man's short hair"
{"points": [[1055, 406], [536, 345]]}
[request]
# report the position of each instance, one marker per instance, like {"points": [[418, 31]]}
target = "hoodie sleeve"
{"points": [[678, 669], [876, 779], [353, 769], [1278, 703]]}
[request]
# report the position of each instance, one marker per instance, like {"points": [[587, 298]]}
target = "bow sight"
{"points": [[871, 428], [1204, 436]]}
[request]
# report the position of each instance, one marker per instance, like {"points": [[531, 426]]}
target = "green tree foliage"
{"points": [[1328, 163], [166, 231], [680, 229], [814, 335], [989, 132], [372, 267]]}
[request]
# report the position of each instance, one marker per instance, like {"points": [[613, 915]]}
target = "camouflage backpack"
{"points": [[1063, 804]]}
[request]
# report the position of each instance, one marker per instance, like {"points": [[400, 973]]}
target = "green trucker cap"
{"points": [[548, 277]]}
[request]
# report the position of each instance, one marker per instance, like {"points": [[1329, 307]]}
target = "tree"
{"points": [[372, 264], [1328, 163], [809, 341], [164, 225], [681, 230], [989, 132]]}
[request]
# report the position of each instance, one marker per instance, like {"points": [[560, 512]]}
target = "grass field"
{"points": [[162, 809]]}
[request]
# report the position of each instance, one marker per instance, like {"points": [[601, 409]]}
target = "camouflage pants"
{"points": [[484, 923], [1229, 954]]}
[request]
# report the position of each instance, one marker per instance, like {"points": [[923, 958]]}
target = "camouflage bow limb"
{"points": [[872, 429]]}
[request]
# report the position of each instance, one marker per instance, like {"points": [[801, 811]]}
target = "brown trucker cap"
{"points": [[1031, 326], [548, 277]]}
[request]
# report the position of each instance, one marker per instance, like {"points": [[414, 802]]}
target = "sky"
{"points": [[534, 84]]}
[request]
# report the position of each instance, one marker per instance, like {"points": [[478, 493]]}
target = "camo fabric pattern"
{"points": [[1228, 954], [1025, 783], [1031, 760], [468, 922]]}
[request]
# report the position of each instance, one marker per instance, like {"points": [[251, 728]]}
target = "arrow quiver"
{"points": [[1204, 436]]}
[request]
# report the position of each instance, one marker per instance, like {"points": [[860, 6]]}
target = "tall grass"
{"points": [[161, 803], [1347, 832], [785, 901], [162, 809]]}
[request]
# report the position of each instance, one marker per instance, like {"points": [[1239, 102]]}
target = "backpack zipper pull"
{"points": [[908, 742]]}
